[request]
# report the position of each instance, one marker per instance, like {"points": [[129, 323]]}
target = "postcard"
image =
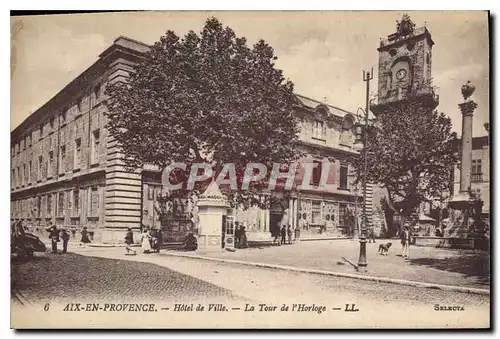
{"points": [[262, 170]]}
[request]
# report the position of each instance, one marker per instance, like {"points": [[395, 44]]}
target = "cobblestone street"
{"points": [[74, 277], [106, 274]]}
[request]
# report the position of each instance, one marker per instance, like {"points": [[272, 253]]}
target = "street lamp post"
{"points": [[362, 263]]}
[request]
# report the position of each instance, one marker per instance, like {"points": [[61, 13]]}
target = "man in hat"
{"points": [[405, 240], [65, 240], [54, 236]]}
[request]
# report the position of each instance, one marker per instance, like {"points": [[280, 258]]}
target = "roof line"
{"points": [[130, 39], [321, 103]]}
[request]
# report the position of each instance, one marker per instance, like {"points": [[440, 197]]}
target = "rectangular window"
{"points": [[60, 204], [49, 206], [316, 174], [343, 215], [40, 168], [76, 202], [25, 176], [316, 212], [41, 131], [97, 93], [20, 176], [28, 138], [78, 125], [13, 178], [62, 118], [476, 171], [52, 124], [51, 164], [318, 130], [38, 207], [80, 105], [94, 202], [95, 147], [69, 195], [30, 168], [23, 144], [62, 162], [78, 153], [343, 177]]}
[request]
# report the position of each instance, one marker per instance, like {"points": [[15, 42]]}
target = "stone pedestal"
{"points": [[461, 217], [212, 212]]}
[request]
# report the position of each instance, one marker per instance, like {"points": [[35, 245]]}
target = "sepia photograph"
{"points": [[250, 170]]}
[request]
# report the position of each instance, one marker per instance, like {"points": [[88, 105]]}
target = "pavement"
{"points": [[463, 268], [107, 274]]}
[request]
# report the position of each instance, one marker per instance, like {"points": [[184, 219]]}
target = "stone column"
{"points": [[460, 213], [266, 220], [467, 109]]}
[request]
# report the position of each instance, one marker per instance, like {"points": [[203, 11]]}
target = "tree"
{"points": [[389, 216], [410, 152], [206, 98]]}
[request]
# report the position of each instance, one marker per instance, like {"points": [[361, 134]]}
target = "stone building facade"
{"points": [[326, 135], [67, 170]]}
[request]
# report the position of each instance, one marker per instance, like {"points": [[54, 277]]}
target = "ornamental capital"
{"points": [[467, 108]]}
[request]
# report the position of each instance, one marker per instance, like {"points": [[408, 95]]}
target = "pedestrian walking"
{"points": [[275, 232], [289, 233], [129, 241], [54, 236], [154, 240], [371, 234], [145, 241], [65, 239], [283, 234], [85, 237], [243, 241], [237, 234], [160, 238], [405, 240]]}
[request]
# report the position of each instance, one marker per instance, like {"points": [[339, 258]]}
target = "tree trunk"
{"points": [[389, 220]]}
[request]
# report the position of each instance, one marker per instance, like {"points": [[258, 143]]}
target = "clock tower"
{"points": [[404, 70]]}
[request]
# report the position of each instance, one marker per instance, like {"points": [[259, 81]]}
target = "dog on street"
{"points": [[383, 249]]}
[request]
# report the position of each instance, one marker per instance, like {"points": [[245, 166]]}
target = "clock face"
{"points": [[401, 74]]}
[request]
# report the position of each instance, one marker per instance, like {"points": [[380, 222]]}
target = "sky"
{"points": [[323, 53]]}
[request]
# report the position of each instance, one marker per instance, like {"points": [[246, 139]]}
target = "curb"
{"points": [[451, 288], [326, 238]]}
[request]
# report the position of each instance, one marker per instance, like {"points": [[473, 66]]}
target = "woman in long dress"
{"points": [[145, 244], [85, 237], [129, 241]]}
